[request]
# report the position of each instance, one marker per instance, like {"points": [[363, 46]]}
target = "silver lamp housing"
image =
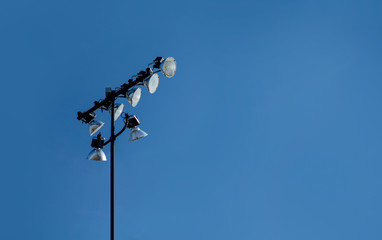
{"points": [[134, 95], [152, 83], [97, 155], [168, 67], [94, 126], [118, 108], [136, 133]]}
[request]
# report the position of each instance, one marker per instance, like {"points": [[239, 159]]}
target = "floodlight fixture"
{"points": [[132, 91], [152, 83], [94, 126], [118, 108], [134, 95], [97, 155], [136, 133], [168, 67]]}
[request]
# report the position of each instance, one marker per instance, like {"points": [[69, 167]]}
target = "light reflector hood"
{"points": [[168, 67], [94, 126], [118, 108], [134, 95], [152, 83], [136, 133], [97, 155]]}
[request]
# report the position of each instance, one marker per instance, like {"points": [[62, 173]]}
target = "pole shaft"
{"points": [[112, 172]]}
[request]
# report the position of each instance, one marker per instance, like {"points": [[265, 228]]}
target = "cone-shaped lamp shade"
{"points": [[168, 67], [152, 83], [134, 95], [97, 155], [94, 126], [118, 108], [136, 133]]}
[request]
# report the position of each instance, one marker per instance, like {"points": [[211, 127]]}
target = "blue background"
{"points": [[271, 128]]}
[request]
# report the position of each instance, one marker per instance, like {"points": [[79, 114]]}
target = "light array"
{"points": [[132, 92]]}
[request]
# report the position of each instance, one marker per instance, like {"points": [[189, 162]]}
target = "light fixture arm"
{"points": [[125, 120]]}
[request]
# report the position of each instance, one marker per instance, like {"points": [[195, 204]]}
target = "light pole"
{"points": [[132, 92]]}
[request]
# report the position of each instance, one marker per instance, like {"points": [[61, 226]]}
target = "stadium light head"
{"points": [[168, 67], [134, 95], [97, 155], [118, 108], [94, 126], [152, 83], [136, 133]]}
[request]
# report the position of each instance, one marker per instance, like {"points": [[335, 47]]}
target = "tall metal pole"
{"points": [[112, 138]]}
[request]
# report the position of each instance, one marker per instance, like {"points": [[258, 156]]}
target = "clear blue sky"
{"points": [[270, 130]]}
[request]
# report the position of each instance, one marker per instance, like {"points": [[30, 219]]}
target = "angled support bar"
{"points": [[120, 132]]}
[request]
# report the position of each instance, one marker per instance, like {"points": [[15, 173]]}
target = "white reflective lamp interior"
{"points": [[152, 83], [134, 95], [97, 155], [118, 108], [94, 126], [136, 133], [168, 67]]}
